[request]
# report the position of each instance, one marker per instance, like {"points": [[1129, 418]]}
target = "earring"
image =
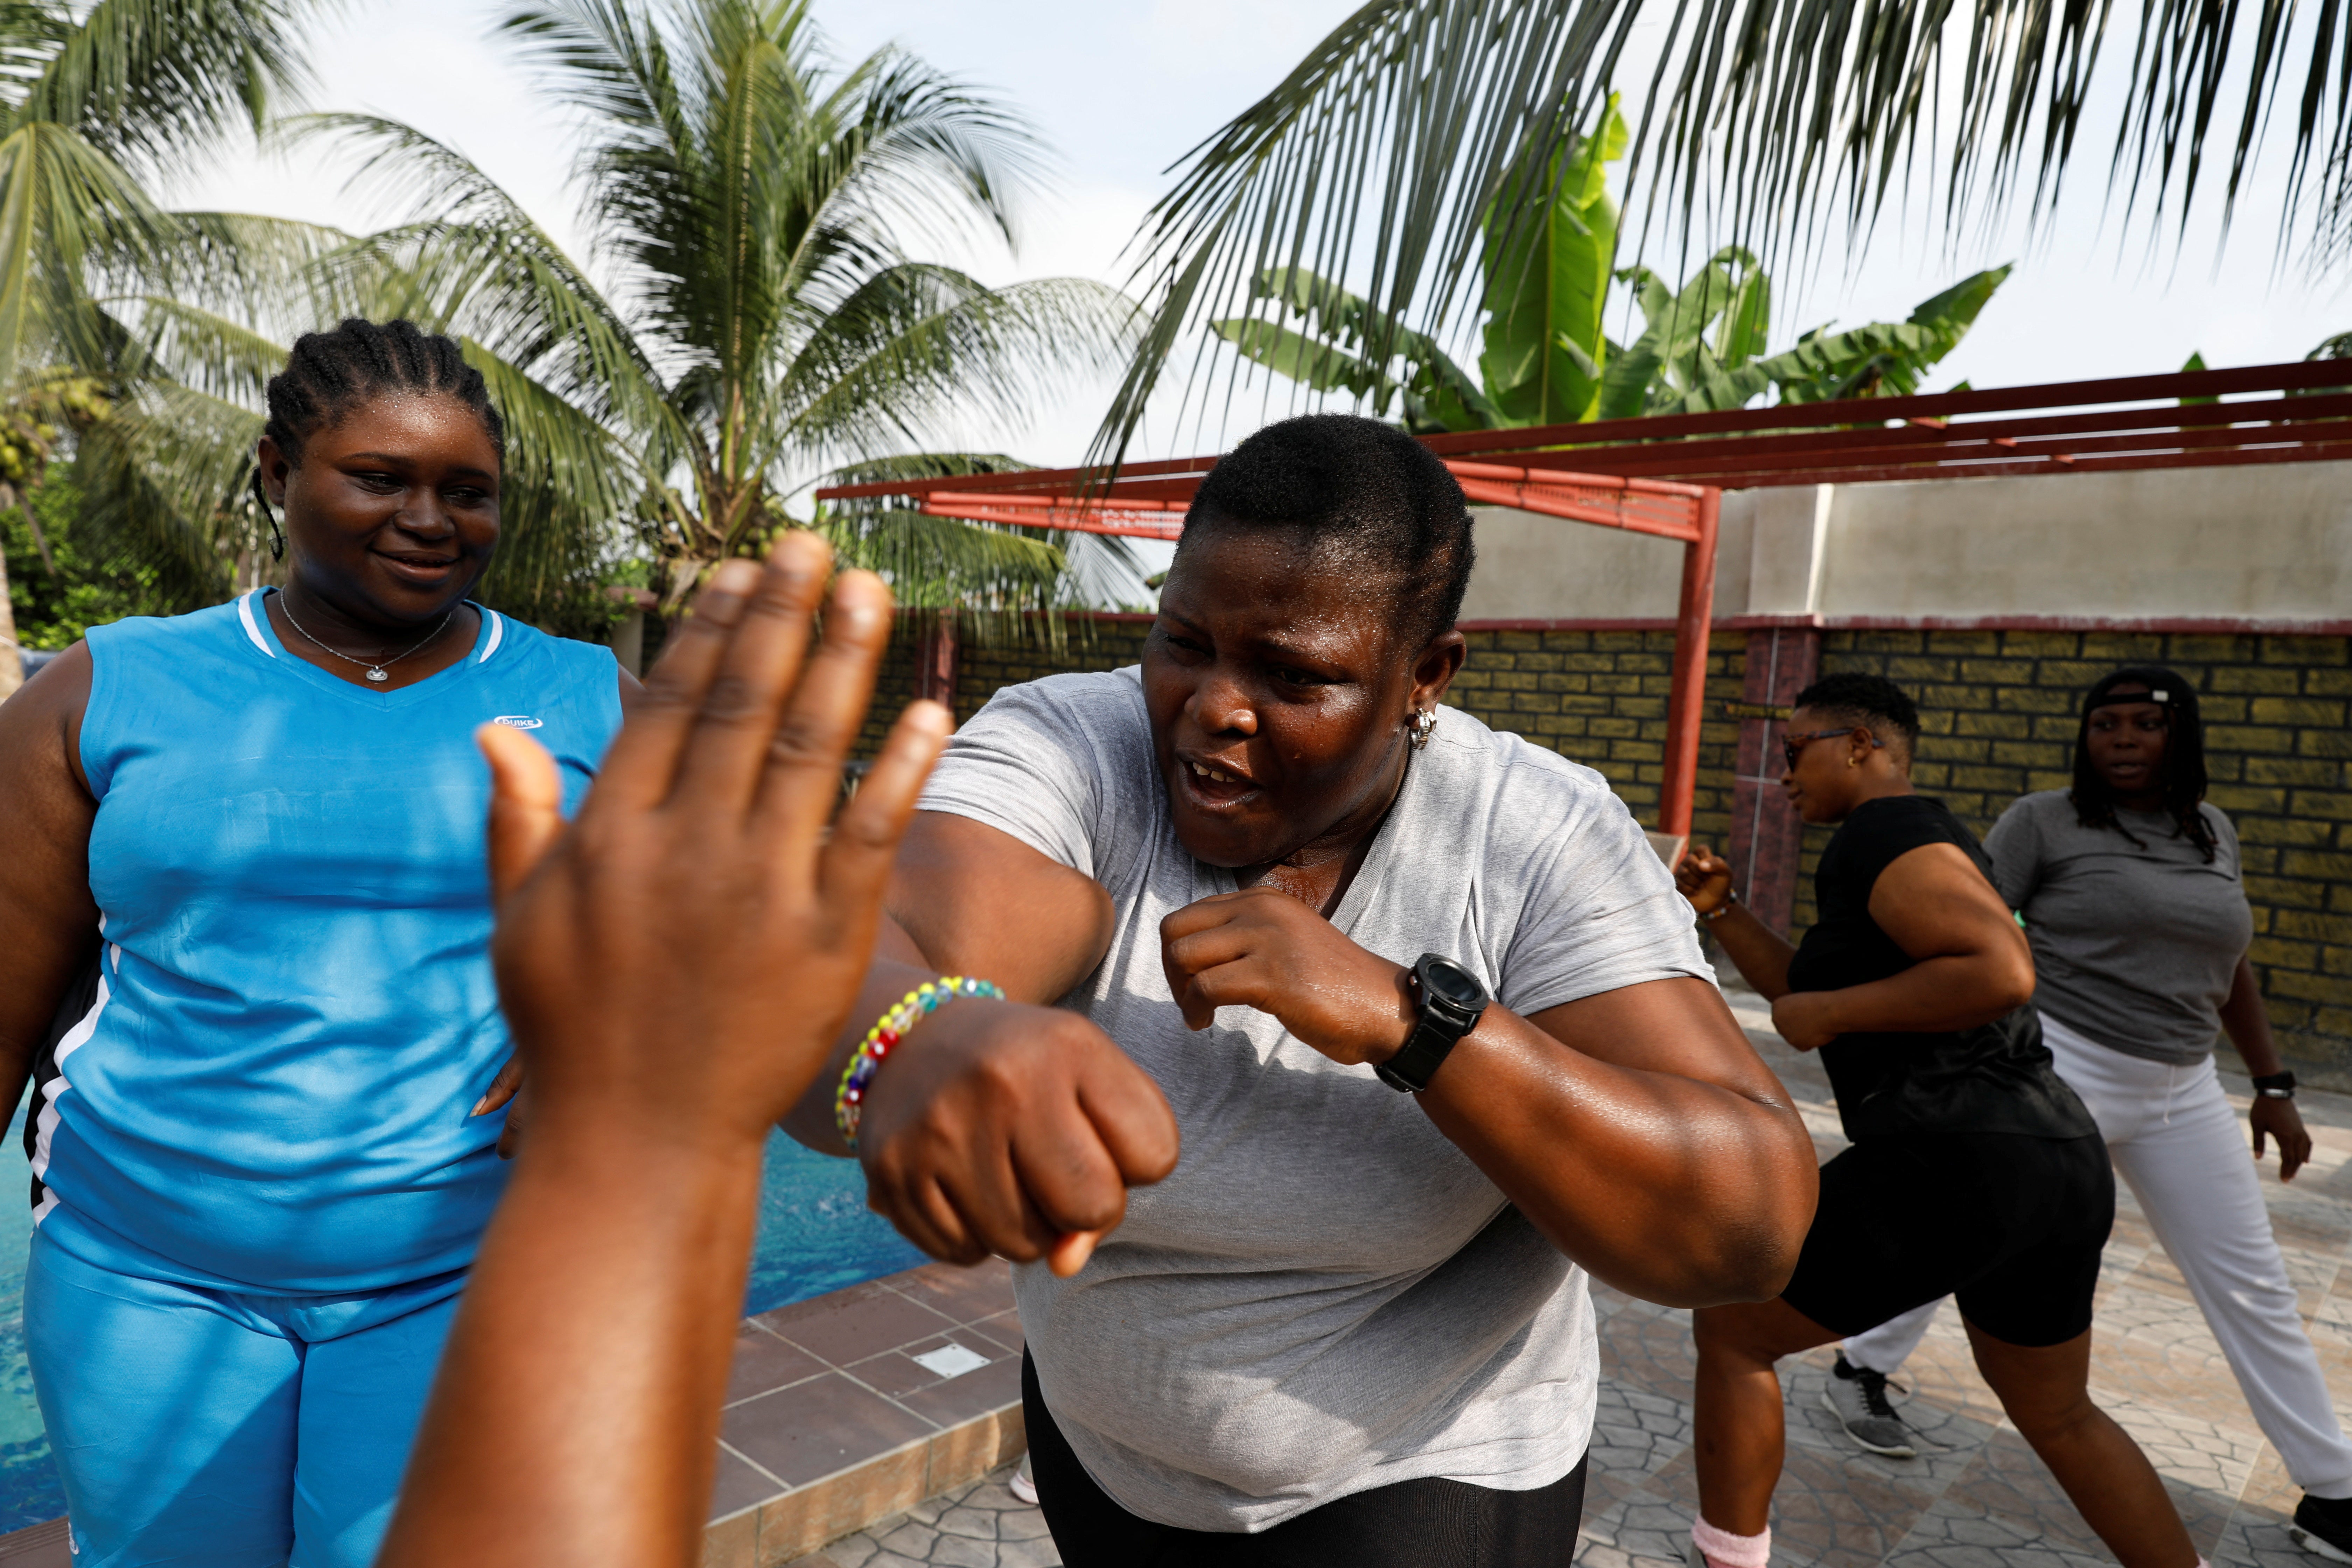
{"points": [[1422, 724], [277, 537]]}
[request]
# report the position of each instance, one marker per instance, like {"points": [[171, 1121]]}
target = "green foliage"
{"points": [[1698, 345], [92, 96], [81, 584], [1547, 283], [1546, 360], [1378, 157], [769, 326], [1703, 348], [1351, 349]]}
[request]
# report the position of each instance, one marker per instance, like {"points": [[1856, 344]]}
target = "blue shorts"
{"points": [[206, 1429]]}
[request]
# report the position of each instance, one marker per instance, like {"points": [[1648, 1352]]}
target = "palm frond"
{"points": [[1376, 159], [1766, 122], [922, 344], [163, 481], [1000, 579], [64, 203], [160, 81]]}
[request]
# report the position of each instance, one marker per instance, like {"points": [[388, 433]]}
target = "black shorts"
{"points": [[2011, 1225], [1431, 1523]]}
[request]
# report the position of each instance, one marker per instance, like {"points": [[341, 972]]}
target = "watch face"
{"points": [[1449, 982]]}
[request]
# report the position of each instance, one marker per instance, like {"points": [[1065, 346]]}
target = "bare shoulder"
{"points": [[40, 729]]}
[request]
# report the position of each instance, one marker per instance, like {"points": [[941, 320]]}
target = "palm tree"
{"points": [[759, 325], [1380, 157], [96, 101]]}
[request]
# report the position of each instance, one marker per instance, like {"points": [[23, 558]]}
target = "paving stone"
{"points": [[1975, 1498]]}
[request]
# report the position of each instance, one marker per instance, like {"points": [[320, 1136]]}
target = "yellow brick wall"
{"points": [[1999, 714], [1997, 709]]}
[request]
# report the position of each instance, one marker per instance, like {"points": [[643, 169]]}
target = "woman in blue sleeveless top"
{"points": [[264, 1156]]}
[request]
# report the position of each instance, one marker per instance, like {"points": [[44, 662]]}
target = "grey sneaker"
{"points": [[1857, 1397], [2323, 1526]]}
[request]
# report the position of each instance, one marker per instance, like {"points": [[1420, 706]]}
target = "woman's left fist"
{"points": [[1263, 949]]}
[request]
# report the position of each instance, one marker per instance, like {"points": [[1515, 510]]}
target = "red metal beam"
{"points": [[2297, 376], [1705, 461], [1129, 523], [2224, 458], [1686, 698], [2271, 419]]}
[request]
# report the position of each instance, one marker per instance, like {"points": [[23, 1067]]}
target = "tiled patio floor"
{"points": [[1980, 1500]]}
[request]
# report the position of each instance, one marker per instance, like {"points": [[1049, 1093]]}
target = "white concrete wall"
{"points": [[2266, 542]]}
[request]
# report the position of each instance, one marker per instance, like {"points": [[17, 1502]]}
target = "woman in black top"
{"points": [[1974, 1171]]}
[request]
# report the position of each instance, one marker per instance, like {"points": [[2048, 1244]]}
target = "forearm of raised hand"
{"points": [[600, 1424], [1761, 954], [674, 963]]}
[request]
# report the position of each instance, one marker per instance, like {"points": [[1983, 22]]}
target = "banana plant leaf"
{"points": [[1885, 359], [1547, 280], [1349, 345], [1673, 362]]}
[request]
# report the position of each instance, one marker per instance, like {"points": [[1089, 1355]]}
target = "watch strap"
{"points": [[2275, 1085], [1439, 1028], [1424, 1051]]}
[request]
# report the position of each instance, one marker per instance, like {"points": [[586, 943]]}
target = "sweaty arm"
{"points": [[1636, 1128], [1013, 1127], [49, 924], [1642, 1135], [1972, 962]]}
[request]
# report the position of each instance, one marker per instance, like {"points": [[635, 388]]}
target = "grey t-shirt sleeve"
{"points": [[2015, 846], [1598, 911], [1030, 764]]}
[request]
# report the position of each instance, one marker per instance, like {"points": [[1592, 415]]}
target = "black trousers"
{"points": [[1413, 1524]]}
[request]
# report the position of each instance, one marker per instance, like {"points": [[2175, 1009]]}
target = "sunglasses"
{"points": [[1793, 746]]}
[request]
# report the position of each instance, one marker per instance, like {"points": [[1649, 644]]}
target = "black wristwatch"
{"points": [[1452, 1000], [2275, 1086]]}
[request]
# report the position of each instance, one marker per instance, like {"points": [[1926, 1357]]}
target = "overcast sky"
{"points": [[1120, 89]]}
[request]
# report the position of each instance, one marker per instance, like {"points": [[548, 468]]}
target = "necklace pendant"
{"points": [[378, 674]]}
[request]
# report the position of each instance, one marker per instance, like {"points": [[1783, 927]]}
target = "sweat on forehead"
{"points": [[1309, 576]]}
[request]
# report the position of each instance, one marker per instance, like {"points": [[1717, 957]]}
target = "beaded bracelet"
{"points": [[849, 1099]]}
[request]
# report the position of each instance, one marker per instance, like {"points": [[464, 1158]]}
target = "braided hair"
{"points": [[2181, 778], [330, 373]]}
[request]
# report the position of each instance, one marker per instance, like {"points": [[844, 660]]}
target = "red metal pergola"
{"points": [[1147, 500], [1664, 475]]}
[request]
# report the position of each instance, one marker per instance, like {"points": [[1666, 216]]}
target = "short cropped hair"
{"points": [[1871, 702], [1356, 486]]}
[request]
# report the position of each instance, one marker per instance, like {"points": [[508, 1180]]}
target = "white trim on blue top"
{"points": [[244, 614], [497, 632]]}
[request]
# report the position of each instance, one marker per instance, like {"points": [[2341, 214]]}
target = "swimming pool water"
{"points": [[816, 1235]]}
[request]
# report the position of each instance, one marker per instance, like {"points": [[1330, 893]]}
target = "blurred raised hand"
{"points": [[675, 964], [1705, 879]]}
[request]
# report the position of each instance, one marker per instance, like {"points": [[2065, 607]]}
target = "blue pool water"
{"points": [[816, 1235]]}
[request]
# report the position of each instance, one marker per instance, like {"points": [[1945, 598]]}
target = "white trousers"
{"points": [[2180, 1148]]}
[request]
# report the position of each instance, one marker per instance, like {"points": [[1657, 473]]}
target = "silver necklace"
{"points": [[374, 667]]}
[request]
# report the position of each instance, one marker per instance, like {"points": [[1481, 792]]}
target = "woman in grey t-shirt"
{"points": [[1351, 1327], [2129, 886]]}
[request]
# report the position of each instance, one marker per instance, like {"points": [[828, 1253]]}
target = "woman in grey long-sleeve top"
{"points": [[2130, 890]]}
